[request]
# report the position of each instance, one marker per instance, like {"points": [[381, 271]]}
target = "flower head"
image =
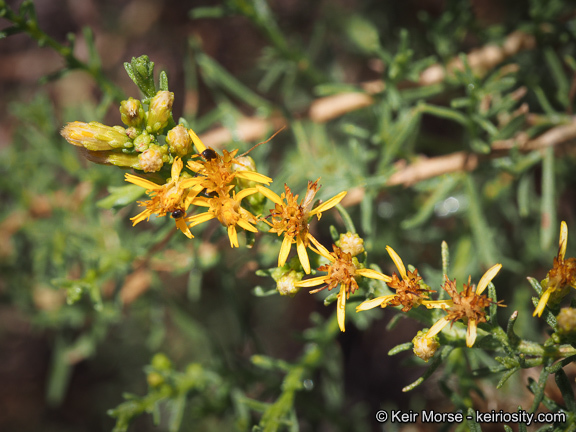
{"points": [[469, 304], [343, 270], [290, 219], [173, 197], [410, 292], [228, 211], [424, 346], [561, 277]]}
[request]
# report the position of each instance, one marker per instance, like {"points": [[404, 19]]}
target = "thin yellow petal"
{"points": [[373, 274], [437, 327], [146, 184], [192, 194], [233, 236], [181, 225], [272, 196], [284, 250], [397, 261], [244, 193], [199, 218], [141, 216], [253, 176], [200, 147], [302, 254], [471, 333], [323, 251], [375, 302], [246, 225], [328, 204], [201, 201], [192, 182], [542, 303], [176, 168], [563, 240], [488, 276], [308, 283], [437, 304], [341, 312]]}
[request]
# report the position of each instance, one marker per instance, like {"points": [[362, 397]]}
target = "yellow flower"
{"points": [[343, 270], [561, 277], [215, 172], [291, 219], [228, 211], [468, 304], [173, 197], [409, 291]]}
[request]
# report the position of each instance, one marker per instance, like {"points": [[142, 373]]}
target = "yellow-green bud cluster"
{"points": [[566, 320], [141, 145], [160, 111]]}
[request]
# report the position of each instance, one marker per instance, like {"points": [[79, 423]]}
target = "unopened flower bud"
{"points": [[567, 320], [179, 141], [113, 158], [143, 141], [95, 136], [351, 243], [152, 159], [131, 112], [161, 362], [132, 132], [425, 347], [285, 284], [159, 111]]}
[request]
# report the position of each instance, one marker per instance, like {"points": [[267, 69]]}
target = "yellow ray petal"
{"points": [[146, 184], [471, 333], [308, 283], [397, 261], [201, 201], [199, 218], [563, 240], [244, 193], [253, 176], [192, 194], [200, 147], [233, 236], [437, 327], [246, 225], [373, 274], [176, 168], [141, 216], [341, 312], [302, 254], [181, 225], [323, 251], [375, 302], [542, 302], [272, 196], [328, 204], [488, 276], [437, 304], [284, 250]]}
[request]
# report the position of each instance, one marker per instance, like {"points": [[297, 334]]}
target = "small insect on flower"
{"points": [[178, 213], [209, 154]]}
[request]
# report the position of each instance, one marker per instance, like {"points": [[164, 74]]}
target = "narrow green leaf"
{"points": [[548, 222]]}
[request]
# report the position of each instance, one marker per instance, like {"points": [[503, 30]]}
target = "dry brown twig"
{"points": [[481, 61]]}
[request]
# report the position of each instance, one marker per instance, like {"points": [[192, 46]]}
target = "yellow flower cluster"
{"points": [[201, 178]]}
